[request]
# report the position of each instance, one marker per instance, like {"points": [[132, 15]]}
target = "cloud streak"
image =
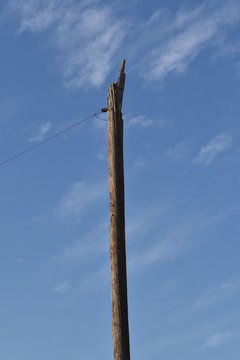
{"points": [[62, 287], [187, 34], [37, 15], [209, 152], [140, 121], [93, 243], [217, 294], [176, 152], [219, 339], [40, 133], [86, 34], [81, 196], [172, 241]]}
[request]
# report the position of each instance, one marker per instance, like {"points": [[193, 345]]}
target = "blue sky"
{"points": [[181, 113]]}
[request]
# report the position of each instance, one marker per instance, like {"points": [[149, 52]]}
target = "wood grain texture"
{"points": [[120, 329]]}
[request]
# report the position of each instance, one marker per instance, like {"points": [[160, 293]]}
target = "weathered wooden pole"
{"points": [[120, 330]]}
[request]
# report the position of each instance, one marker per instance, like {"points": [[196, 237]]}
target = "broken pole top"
{"points": [[121, 83]]}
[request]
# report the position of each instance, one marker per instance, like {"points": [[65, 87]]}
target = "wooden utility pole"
{"points": [[120, 330]]}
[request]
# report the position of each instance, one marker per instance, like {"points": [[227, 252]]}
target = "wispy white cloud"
{"points": [[90, 53], [139, 163], [177, 240], [141, 220], [142, 122], [215, 147], [101, 156], [208, 303], [93, 243], [62, 287], [96, 280], [81, 196], [173, 241], [40, 133], [194, 337], [37, 15], [176, 152], [138, 121], [217, 294], [89, 34], [186, 35], [86, 34], [219, 339]]}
